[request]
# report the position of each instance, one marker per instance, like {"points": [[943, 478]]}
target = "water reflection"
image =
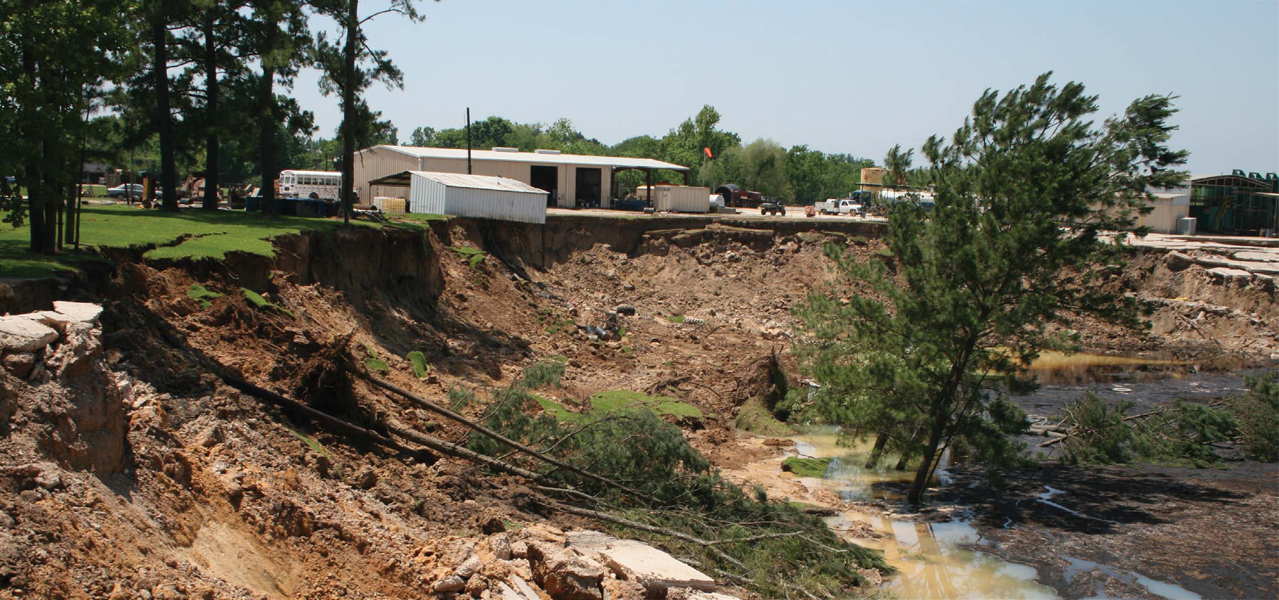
{"points": [[929, 557]]}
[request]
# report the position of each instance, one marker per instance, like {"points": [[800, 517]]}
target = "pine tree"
{"points": [[1028, 195]]}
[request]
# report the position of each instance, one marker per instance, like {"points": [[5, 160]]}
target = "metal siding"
{"points": [[679, 198], [375, 163], [426, 196], [523, 207]]}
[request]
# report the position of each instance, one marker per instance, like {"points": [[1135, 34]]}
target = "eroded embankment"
{"points": [[215, 495]]}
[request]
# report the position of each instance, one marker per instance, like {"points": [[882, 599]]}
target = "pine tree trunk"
{"points": [[270, 171], [211, 116], [905, 457], [164, 120], [348, 110], [49, 198], [35, 208], [877, 452], [922, 474]]}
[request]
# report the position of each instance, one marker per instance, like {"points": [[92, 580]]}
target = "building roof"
{"points": [[534, 157], [460, 180]]}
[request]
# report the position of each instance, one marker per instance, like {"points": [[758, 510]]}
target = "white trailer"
{"points": [[828, 206]]}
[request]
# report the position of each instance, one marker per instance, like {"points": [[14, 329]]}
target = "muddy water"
{"points": [[934, 560]]}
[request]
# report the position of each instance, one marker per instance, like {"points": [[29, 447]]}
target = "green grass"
{"points": [[473, 256], [661, 405], [210, 235], [415, 221], [258, 301], [557, 410], [418, 360], [806, 467], [754, 417], [675, 318], [612, 401], [202, 295]]}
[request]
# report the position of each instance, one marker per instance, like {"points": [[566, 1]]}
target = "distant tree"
{"points": [[54, 57], [764, 169], [686, 145], [351, 68], [281, 41], [898, 165], [1015, 249], [215, 44], [422, 136]]}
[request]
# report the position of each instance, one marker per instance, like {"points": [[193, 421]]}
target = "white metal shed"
{"points": [[480, 196]]}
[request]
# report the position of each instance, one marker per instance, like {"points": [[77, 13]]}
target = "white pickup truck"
{"points": [[841, 206]]}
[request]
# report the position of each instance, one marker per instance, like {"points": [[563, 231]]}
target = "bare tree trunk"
{"points": [[905, 456], [348, 110], [211, 116], [164, 120]]}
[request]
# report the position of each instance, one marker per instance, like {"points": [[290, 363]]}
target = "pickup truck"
{"points": [[828, 206]]}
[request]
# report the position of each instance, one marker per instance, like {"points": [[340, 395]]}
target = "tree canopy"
{"points": [[1028, 194]]}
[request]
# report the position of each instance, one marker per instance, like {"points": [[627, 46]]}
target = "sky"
{"points": [[839, 76]]}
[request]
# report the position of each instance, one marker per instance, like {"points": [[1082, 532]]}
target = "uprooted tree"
{"points": [[1032, 201]]}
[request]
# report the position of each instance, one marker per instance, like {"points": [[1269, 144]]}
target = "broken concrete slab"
{"points": [[565, 575], [67, 314], [523, 588], [20, 334], [1229, 273], [636, 561]]}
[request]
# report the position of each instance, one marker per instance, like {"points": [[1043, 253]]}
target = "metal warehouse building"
{"points": [[481, 196], [570, 180]]}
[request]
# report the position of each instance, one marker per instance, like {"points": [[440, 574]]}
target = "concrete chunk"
{"points": [[20, 334], [657, 571], [78, 312]]}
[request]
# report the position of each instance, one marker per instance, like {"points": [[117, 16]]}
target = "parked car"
{"points": [[132, 190]]}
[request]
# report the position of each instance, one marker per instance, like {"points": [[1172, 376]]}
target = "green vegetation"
{"points": [[783, 550], [754, 417], [258, 301], [309, 441], [1257, 413], [202, 295], [204, 235], [1026, 190], [675, 318], [617, 400], [418, 360], [806, 467], [473, 256], [374, 362], [1181, 434]]}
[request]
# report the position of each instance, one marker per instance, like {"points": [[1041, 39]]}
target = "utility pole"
{"points": [[468, 140]]}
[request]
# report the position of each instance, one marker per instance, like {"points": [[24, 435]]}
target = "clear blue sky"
{"points": [[853, 77]]}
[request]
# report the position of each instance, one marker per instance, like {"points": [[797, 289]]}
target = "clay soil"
{"points": [[217, 495]]}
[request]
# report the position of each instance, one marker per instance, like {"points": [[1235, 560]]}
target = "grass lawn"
{"points": [[212, 235], [806, 467], [612, 401]]}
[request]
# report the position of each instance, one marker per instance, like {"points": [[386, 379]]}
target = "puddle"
{"points": [[934, 560], [1158, 588]]}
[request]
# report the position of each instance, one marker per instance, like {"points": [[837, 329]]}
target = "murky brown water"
{"points": [[934, 560]]}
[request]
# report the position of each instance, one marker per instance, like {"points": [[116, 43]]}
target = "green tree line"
{"points": [[176, 86], [799, 175]]}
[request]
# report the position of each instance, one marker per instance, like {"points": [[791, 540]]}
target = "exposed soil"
{"points": [[178, 486]]}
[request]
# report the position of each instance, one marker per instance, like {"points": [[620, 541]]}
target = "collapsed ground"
{"points": [[133, 468]]}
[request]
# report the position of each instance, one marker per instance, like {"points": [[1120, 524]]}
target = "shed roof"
{"points": [[534, 157], [460, 180]]}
